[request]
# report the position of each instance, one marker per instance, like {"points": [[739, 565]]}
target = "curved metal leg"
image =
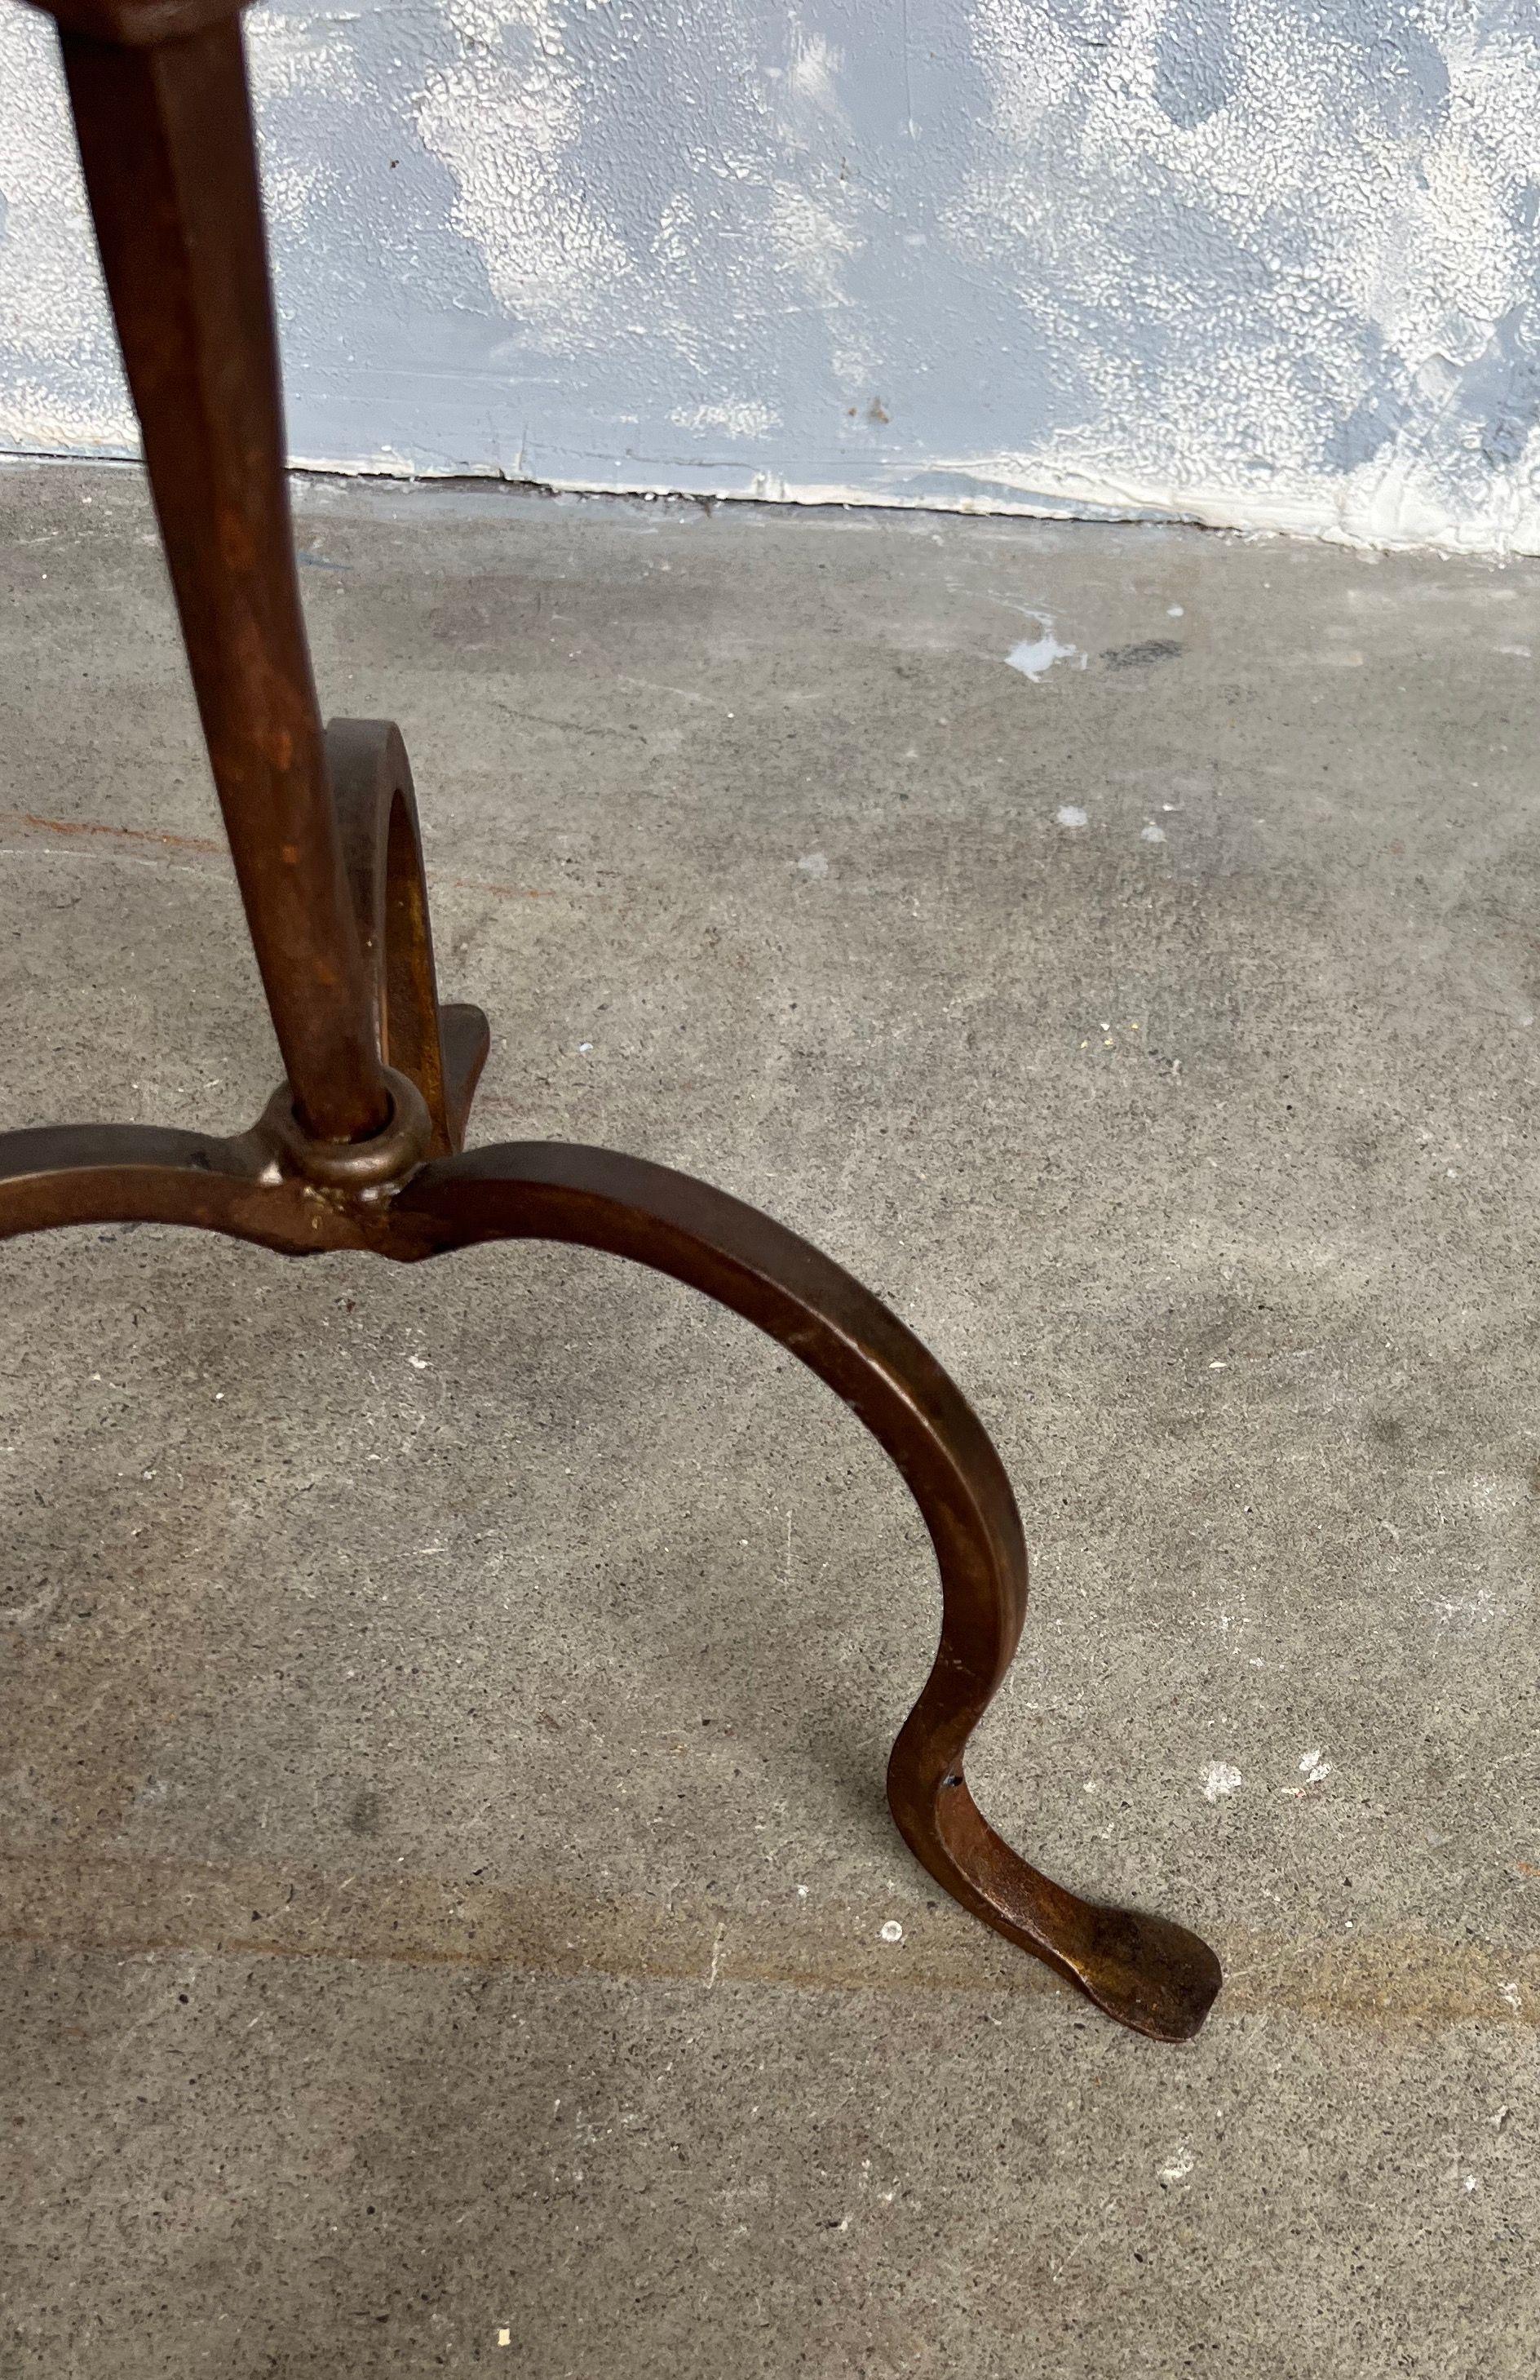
{"points": [[1144, 1970], [53, 1176]]}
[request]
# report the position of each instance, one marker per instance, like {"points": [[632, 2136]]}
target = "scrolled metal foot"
{"points": [[1145, 1971]]}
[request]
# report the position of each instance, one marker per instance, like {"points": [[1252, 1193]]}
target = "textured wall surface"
{"points": [[1267, 262]]}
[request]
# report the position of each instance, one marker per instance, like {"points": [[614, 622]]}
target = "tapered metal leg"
{"points": [[166, 148]]}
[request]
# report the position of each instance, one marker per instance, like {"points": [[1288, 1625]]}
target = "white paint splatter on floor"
{"points": [[1071, 813], [1219, 1780], [1034, 656]]}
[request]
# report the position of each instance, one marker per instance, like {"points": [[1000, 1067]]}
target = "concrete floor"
{"points": [[446, 1865]]}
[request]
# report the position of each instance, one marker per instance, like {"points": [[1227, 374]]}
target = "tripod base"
{"points": [[360, 1148], [395, 1197]]}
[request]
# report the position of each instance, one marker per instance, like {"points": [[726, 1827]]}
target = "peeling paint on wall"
{"points": [[1268, 263]]}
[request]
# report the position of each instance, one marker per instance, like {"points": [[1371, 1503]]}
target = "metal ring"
{"points": [[388, 1155]]}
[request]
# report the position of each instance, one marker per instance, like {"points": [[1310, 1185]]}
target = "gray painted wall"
{"points": [[1269, 263]]}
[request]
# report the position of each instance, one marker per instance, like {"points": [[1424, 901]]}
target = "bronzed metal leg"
{"points": [[164, 131], [1144, 1970], [359, 1148]]}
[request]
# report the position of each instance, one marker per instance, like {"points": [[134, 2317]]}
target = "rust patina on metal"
{"points": [[362, 1146]]}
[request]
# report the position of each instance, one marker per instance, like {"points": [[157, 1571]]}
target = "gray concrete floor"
{"points": [[444, 1858]]}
